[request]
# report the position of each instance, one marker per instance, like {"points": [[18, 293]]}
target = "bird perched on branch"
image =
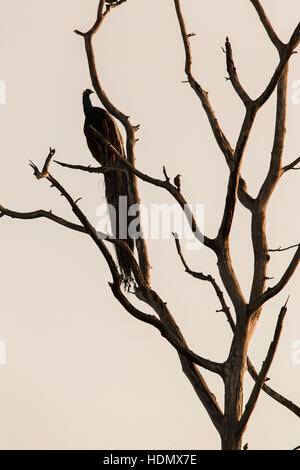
{"points": [[177, 182], [116, 182]]}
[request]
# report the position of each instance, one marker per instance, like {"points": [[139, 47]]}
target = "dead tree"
{"points": [[231, 421]]}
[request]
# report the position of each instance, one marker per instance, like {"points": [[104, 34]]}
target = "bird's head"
{"points": [[87, 92]]}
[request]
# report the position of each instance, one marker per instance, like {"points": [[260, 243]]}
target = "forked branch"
{"points": [[234, 76], [272, 291]]}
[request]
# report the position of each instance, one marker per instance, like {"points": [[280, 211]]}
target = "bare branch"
{"points": [[87, 228], [166, 174], [272, 291], [193, 374], [92, 232], [41, 214], [266, 388], [283, 249], [291, 166], [250, 115], [272, 393], [244, 196], [251, 369], [48, 161], [100, 16], [274, 172], [264, 371], [267, 25], [44, 171], [234, 177], [99, 19], [220, 137], [233, 75], [4, 211], [259, 238], [207, 278], [189, 369], [91, 169]]}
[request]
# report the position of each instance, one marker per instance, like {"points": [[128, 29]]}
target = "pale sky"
{"points": [[81, 373]]}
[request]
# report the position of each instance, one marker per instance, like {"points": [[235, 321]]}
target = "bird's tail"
{"points": [[116, 188]]}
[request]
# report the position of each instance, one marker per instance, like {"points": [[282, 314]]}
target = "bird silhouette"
{"points": [[116, 182], [177, 182]]}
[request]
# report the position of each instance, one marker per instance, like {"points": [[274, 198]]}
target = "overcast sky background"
{"points": [[81, 373]]}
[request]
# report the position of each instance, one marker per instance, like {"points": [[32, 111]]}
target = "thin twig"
{"points": [[291, 166], [91, 169], [208, 278], [41, 214], [165, 174], [283, 249]]}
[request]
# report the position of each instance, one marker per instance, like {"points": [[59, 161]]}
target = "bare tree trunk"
{"points": [[235, 367], [230, 441]]}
